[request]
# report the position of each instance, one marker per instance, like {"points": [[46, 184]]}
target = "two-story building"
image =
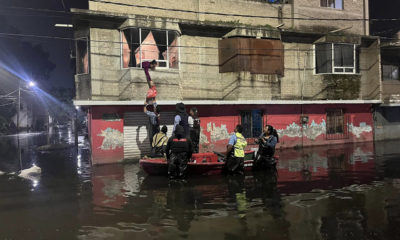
{"points": [[307, 67], [387, 115]]}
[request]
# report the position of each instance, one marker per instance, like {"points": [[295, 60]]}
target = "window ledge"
{"points": [[82, 74], [157, 70], [356, 74], [330, 8]]}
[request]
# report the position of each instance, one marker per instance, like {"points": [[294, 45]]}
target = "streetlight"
{"points": [[31, 84]]}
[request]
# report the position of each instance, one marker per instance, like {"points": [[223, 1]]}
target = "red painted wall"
{"points": [[282, 116], [103, 153], [219, 121]]}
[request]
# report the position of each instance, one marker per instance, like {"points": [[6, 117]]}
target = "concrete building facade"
{"points": [[387, 115], [309, 68]]}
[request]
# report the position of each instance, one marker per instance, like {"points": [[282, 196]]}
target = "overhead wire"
{"points": [[240, 15], [155, 20], [143, 44]]}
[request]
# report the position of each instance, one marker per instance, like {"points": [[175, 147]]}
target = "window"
{"points": [[338, 58], [252, 123], [82, 56], [336, 124], [141, 45], [337, 4], [390, 72]]}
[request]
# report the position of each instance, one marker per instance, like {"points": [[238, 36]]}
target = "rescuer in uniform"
{"points": [[235, 151], [179, 151]]}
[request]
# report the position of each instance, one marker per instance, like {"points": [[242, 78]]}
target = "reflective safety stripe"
{"points": [[241, 143]]}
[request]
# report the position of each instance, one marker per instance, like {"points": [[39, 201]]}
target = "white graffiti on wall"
{"points": [[291, 130], [314, 130], [357, 131], [112, 139], [311, 131], [217, 133], [203, 137]]}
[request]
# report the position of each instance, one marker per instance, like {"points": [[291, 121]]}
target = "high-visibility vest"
{"points": [[240, 144]]}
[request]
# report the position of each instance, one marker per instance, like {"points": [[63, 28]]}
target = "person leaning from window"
{"points": [[179, 151], [154, 118], [159, 143], [235, 151], [194, 127], [267, 141], [152, 92], [181, 118]]}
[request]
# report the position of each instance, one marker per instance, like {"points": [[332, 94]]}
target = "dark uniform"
{"points": [[179, 151], [195, 134], [266, 151]]}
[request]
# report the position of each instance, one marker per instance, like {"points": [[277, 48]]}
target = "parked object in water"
{"points": [[32, 173]]}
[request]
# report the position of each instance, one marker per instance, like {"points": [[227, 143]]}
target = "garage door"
{"points": [[136, 132]]}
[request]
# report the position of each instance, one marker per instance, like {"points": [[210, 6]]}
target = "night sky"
{"points": [[41, 23]]}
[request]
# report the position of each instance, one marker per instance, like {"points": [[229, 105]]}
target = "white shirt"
{"points": [[190, 121]]}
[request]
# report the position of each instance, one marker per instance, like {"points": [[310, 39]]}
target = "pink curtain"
{"points": [[149, 49], [126, 52]]}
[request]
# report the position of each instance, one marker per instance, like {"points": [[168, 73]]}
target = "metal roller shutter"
{"points": [[136, 132]]}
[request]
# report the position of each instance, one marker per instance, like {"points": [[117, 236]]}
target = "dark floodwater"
{"points": [[335, 192]]}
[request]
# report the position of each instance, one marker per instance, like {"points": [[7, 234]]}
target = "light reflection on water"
{"points": [[334, 192]]}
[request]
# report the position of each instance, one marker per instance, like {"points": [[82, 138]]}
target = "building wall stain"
{"points": [[112, 139]]}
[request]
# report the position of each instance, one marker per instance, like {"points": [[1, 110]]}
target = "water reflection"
{"points": [[335, 192]]}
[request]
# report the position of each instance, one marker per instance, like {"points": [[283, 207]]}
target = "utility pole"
{"points": [[18, 104], [18, 109]]}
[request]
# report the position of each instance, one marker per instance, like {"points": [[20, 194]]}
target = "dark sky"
{"points": [[42, 23], [63, 75], [381, 9]]}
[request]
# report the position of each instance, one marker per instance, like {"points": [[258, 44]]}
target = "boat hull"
{"points": [[201, 164]]}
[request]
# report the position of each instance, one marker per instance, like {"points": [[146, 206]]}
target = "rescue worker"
{"points": [[152, 92], [265, 154], [235, 151], [182, 119], [194, 128], [154, 119], [179, 151], [159, 143]]}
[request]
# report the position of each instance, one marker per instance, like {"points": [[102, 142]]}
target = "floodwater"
{"points": [[330, 192]]}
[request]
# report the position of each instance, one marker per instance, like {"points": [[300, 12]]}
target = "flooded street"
{"points": [[330, 192]]}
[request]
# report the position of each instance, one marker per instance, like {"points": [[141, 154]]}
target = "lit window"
{"points": [[390, 72], [337, 4], [144, 45], [252, 123], [337, 58]]}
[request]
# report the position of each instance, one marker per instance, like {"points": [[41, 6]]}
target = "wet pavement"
{"points": [[330, 192]]}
